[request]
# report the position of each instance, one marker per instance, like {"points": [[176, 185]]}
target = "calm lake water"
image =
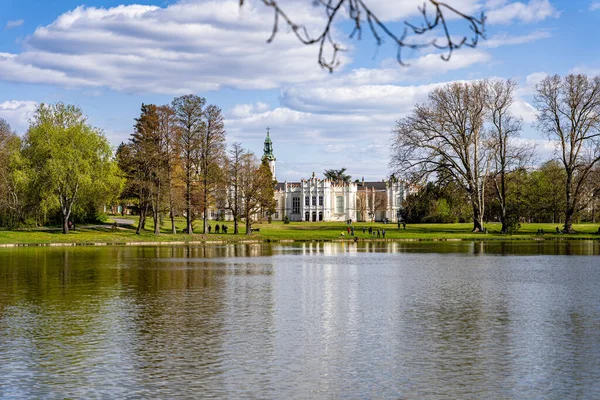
{"points": [[387, 320]]}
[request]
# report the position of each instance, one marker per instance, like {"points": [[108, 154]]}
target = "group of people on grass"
{"points": [[379, 233], [218, 228]]}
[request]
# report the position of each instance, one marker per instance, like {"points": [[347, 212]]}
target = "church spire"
{"points": [[268, 153], [268, 149]]}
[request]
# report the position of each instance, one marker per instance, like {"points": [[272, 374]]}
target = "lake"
{"points": [[313, 320]]}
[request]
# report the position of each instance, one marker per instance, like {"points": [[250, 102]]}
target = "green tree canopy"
{"points": [[72, 160]]}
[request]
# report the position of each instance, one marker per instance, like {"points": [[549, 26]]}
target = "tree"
{"points": [[69, 157], [232, 187], [569, 114], [369, 201], [189, 111], [147, 141], [170, 155], [545, 193], [14, 177], [131, 161], [360, 15], [268, 204], [337, 175], [255, 182], [507, 155], [212, 155], [446, 137]]}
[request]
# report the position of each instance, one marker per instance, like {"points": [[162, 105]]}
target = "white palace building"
{"points": [[317, 199]]}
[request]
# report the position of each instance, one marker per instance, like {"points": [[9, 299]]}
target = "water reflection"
{"points": [[312, 320]]}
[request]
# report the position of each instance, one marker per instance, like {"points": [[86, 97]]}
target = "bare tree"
{"points": [[369, 202], [361, 16], [212, 156], [234, 203], [569, 113], [189, 110], [170, 155], [446, 136], [255, 181], [507, 154]]}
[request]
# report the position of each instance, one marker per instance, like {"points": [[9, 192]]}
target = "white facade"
{"points": [[325, 200], [317, 199]]}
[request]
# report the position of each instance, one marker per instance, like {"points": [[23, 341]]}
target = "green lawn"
{"points": [[299, 231]]}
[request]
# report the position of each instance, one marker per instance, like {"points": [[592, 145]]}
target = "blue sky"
{"points": [[109, 56]]}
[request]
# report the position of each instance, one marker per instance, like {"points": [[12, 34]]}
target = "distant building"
{"points": [[317, 199]]}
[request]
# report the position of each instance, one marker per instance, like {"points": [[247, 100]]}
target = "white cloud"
{"points": [[427, 66], [245, 110], [191, 46], [17, 113], [534, 11], [595, 5], [13, 24], [524, 110], [586, 70], [504, 39]]}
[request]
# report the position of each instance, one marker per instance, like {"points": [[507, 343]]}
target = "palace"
{"points": [[317, 199]]}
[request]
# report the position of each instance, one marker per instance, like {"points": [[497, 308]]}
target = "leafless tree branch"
{"points": [[360, 14]]}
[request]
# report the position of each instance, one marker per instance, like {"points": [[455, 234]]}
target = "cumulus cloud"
{"points": [[586, 70], [504, 12], [595, 6], [344, 124], [198, 46], [190, 46], [17, 113], [13, 24]]}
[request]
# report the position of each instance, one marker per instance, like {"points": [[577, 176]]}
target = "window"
{"points": [[296, 205], [314, 200], [307, 216], [339, 204], [320, 200], [276, 215], [307, 201]]}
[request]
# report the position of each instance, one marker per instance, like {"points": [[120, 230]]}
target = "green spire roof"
{"points": [[268, 149]]}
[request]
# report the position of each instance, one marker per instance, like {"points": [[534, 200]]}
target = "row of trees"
{"points": [[466, 136], [176, 163], [532, 195], [63, 167]]}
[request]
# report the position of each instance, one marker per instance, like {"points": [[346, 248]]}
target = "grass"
{"points": [[295, 231]]}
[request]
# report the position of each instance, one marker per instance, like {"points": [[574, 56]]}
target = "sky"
{"points": [[110, 56]]}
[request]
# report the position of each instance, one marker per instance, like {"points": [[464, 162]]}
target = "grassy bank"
{"points": [[295, 231]]}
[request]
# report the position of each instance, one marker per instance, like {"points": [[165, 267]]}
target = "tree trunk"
{"points": [[569, 212], [570, 209], [205, 208], [172, 216], [235, 225], [65, 224], [248, 226], [188, 201], [142, 222], [477, 216], [156, 217]]}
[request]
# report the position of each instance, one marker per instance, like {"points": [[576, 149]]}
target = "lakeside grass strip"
{"points": [[285, 233]]}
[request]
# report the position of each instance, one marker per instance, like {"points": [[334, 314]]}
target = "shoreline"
{"points": [[267, 241]]}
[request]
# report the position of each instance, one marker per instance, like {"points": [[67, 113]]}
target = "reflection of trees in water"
{"points": [[136, 313]]}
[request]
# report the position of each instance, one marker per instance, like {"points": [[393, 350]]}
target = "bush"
{"points": [[512, 224], [286, 220]]}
